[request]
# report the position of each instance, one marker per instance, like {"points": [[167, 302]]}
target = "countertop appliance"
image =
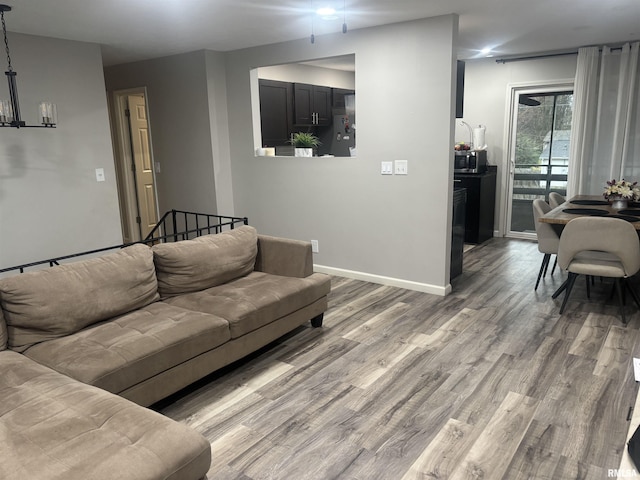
{"points": [[470, 161]]}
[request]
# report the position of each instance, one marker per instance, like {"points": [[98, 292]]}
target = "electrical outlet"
{"points": [[315, 248]]}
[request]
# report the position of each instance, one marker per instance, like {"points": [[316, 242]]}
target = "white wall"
{"points": [[386, 228], [180, 123], [219, 121], [486, 102], [50, 202]]}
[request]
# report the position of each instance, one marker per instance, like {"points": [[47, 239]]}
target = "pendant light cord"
{"points": [[6, 42]]}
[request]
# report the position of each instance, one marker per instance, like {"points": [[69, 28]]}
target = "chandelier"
{"points": [[10, 109]]}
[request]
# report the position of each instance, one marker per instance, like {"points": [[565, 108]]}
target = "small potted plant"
{"points": [[304, 143]]}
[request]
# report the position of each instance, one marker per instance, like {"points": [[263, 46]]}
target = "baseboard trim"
{"points": [[382, 280]]}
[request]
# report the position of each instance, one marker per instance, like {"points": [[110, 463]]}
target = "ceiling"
{"points": [[131, 30]]}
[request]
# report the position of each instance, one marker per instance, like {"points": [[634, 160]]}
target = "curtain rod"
{"points": [[552, 54], [535, 57]]}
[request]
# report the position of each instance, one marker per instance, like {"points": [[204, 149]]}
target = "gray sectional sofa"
{"points": [[85, 345]]}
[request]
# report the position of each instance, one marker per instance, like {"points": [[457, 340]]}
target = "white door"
{"points": [[142, 164], [538, 152]]}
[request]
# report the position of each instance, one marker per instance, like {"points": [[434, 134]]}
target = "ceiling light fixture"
{"points": [[313, 37], [344, 16], [328, 13], [486, 51], [10, 110]]}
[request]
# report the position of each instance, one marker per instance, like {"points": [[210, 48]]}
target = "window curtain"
{"points": [[605, 141]]}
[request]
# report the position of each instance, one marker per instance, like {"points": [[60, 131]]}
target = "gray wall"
{"points": [[50, 201], [486, 102], [180, 123], [394, 229]]}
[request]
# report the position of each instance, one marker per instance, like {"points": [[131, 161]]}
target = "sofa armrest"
{"points": [[283, 256]]}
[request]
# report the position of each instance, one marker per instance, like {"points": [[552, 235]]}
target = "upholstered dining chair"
{"points": [[548, 239], [555, 199], [600, 247]]}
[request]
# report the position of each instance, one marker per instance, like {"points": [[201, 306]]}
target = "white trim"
{"points": [[523, 235], [382, 280]]}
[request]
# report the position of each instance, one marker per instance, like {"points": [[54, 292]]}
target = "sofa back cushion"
{"points": [[204, 262], [61, 300], [3, 332]]}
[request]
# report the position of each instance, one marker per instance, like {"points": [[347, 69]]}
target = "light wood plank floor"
{"points": [[486, 383]]}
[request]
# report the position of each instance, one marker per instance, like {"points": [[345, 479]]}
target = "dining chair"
{"points": [[555, 199], [548, 238], [600, 247]]}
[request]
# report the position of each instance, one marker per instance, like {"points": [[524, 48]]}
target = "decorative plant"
{"points": [[305, 140], [622, 189]]}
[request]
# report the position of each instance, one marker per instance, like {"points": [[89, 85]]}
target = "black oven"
{"points": [[470, 161]]}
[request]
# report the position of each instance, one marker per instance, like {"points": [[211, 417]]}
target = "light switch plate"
{"points": [[386, 168], [636, 368], [100, 175], [402, 167]]}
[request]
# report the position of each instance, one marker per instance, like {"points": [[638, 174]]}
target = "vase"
{"points": [[303, 152], [619, 203]]}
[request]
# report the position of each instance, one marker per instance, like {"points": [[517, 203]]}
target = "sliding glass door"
{"points": [[539, 153]]}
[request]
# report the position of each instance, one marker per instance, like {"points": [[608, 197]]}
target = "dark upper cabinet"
{"points": [[460, 89], [338, 97], [276, 112], [312, 104]]}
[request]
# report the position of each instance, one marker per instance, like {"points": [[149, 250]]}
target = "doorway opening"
{"points": [[540, 133], [134, 165]]}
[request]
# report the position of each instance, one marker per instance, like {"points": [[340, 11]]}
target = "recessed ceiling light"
{"points": [[486, 51], [327, 13]]}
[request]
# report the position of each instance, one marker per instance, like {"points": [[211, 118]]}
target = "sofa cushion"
{"points": [[204, 262], [125, 351], [61, 300], [258, 299], [56, 428], [3, 332]]}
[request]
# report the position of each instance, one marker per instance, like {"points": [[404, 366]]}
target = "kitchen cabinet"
{"points": [[457, 231], [338, 97], [276, 112], [480, 205], [312, 104]]}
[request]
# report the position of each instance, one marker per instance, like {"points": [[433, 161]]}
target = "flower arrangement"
{"points": [[621, 189]]}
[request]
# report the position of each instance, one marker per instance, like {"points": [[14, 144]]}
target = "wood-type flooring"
{"points": [[489, 382]]}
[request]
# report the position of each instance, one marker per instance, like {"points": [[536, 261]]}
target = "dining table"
{"points": [[588, 205], [591, 205]]}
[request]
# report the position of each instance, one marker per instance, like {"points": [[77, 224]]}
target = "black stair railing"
{"points": [[180, 225], [183, 225]]}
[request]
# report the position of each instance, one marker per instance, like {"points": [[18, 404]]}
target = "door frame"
{"points": [[511, 119], [123, 160]]}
